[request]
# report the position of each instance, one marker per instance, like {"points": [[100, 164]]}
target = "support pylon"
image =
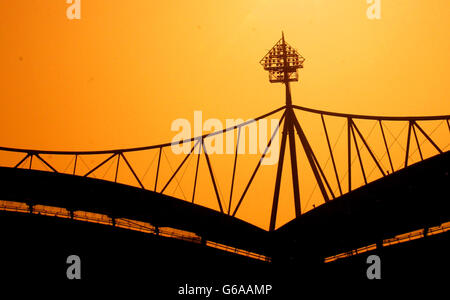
{"points": [[287, 61]]}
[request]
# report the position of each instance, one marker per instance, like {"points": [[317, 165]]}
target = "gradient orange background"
{"points": [[119, 76]]}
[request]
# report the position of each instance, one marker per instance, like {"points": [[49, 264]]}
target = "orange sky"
{"points": [[119, 76]]}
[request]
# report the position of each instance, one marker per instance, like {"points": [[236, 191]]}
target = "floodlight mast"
{"points": [[282, 62], [286, 75]]}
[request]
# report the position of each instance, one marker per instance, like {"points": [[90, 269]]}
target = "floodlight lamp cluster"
{"points": [[282, 59]]}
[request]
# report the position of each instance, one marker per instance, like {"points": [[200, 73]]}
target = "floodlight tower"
{"points": [[283, 62]]}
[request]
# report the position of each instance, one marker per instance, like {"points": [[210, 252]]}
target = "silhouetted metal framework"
{"points": [[282, 62], [291, 129]]}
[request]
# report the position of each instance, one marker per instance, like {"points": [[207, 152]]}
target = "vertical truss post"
{"points": [[386, 145], [234, 170], [407, 143], [349, 154], [117, 166], [417, 142], [358, 153], [75, 164], [157, 168], [31, 160], [196, 169], [331, 154]]}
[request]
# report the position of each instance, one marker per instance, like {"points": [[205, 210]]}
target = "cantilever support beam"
{"points": [[21, 161], [99, 165], [427, 137], [331, 154], [310, 156], [178, 169], [196, 170], [368, 148], [45, 162], [294, 168], [417, 142], [157, 168], [132, 171], [75, 164], [212, 177], [276, 194], [407, 143], [349, 155], [257, 167], [358, 153], [117, 167], [234, 170], [386, 146], [323, 175]]}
